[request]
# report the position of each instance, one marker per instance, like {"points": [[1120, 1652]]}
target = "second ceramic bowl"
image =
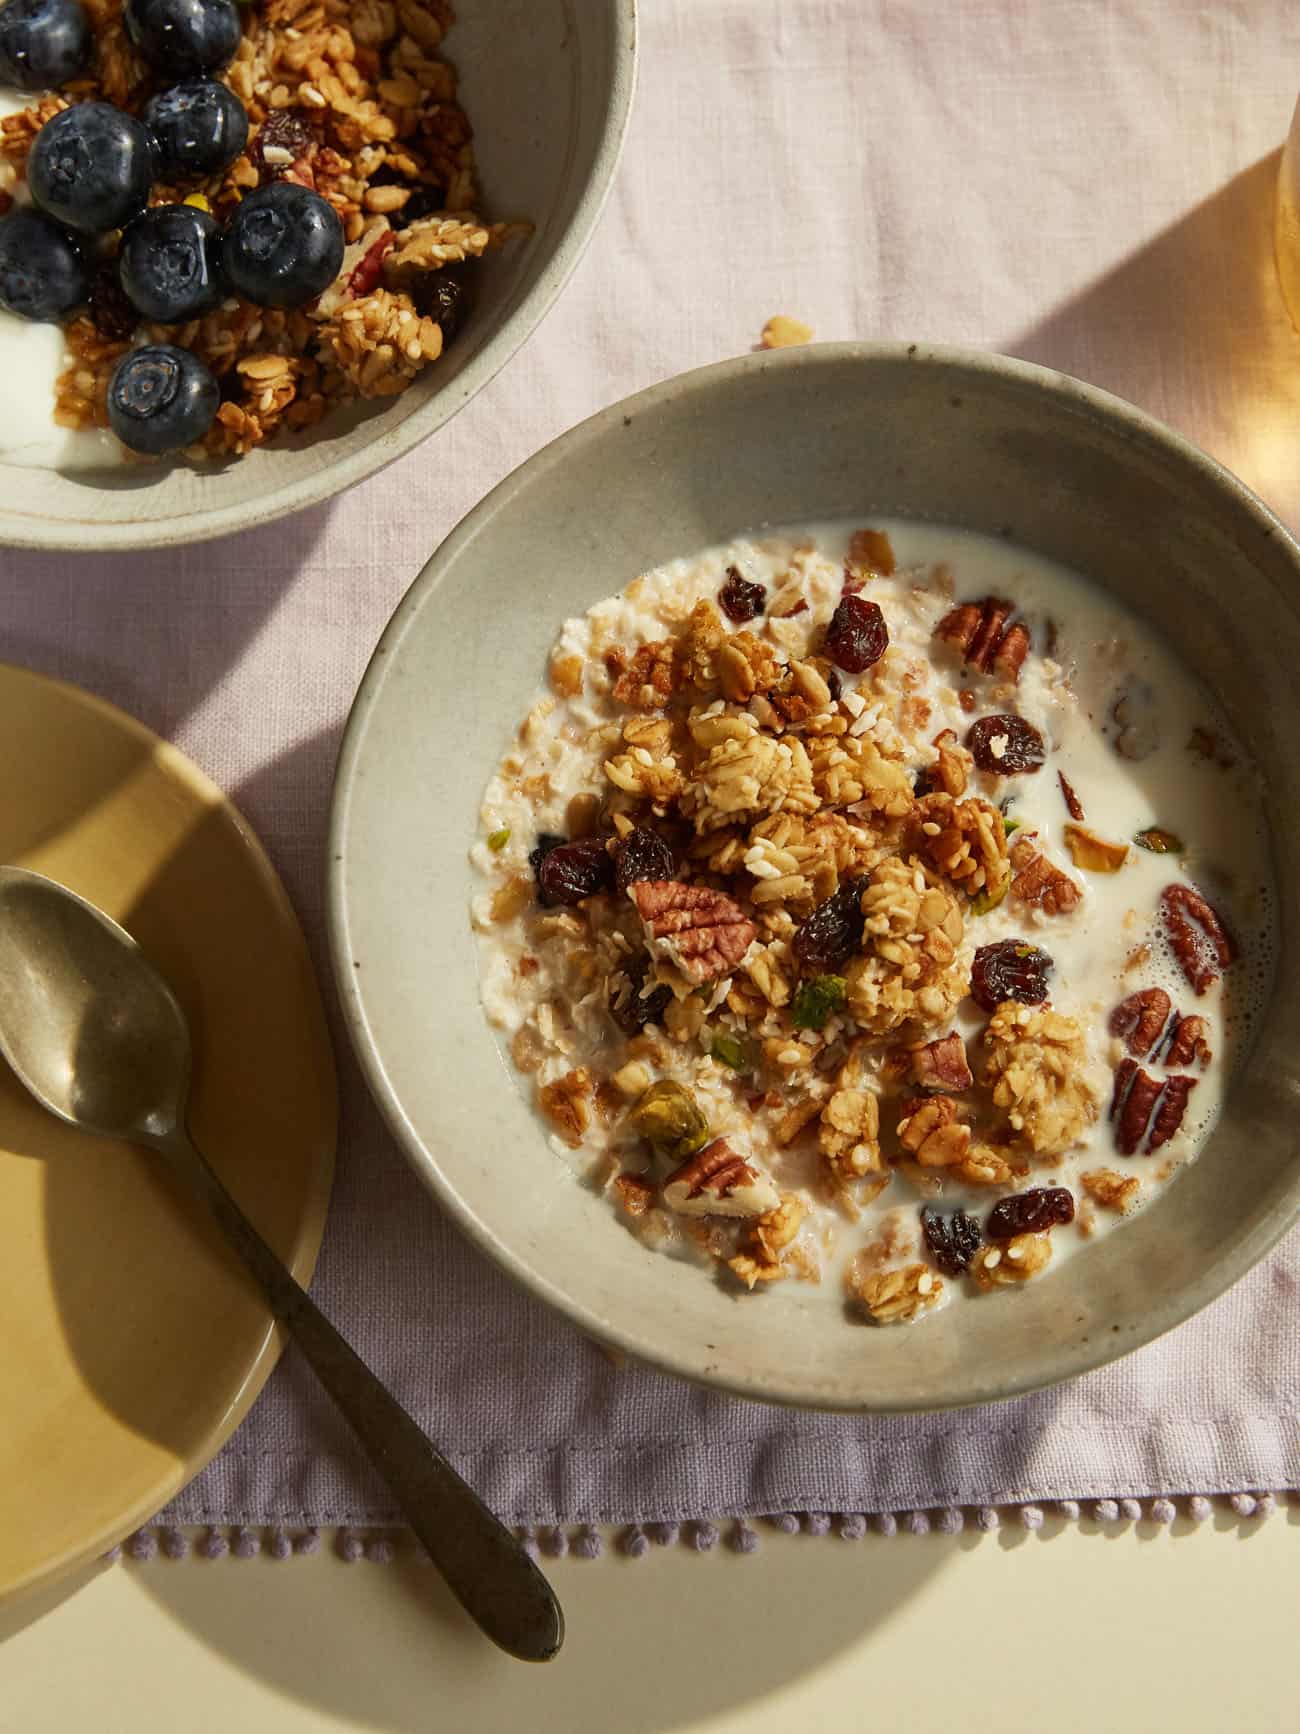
{"points": [[829, 432]]}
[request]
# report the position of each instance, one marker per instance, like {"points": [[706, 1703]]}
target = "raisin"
{"points": [[740, 600], [952, 1237], [634, 1013], [1022, 746], [832, 932], [642, 854], [1030, 1212], [282, 130], [426, 200], [572, 871], [546, 841], [857, 635], [1011, 969], [444, 299], [113, 314]]}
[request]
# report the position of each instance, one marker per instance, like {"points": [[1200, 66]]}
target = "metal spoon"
{"points": [[98, 1038]]}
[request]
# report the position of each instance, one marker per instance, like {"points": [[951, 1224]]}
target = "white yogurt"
{"points": [[1215, 808], [32, 356]]}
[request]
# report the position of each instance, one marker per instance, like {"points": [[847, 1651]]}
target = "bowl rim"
{"points": [[1144, 431], [327, 481]]}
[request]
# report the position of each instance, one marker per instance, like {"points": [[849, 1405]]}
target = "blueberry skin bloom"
{"points": [[91, 167], [169, 263], [200, 127], [161, 399], [180, 38], [43, 43], [284, 246], [43, 270]]}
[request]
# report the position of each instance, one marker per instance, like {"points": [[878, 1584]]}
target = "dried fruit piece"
{"points": [[1139, 1021], [719, 1182], [833, 932], [816, 1000], [1111, 1189], [1159, 842], [952, 1237], [1190, 1043], [630, 1008], [1093, 853], [571, 872], [546, 841], [856, 636], [1031, 1212], [1169, 1111], [702, 931], [670, 1120], [1201, 942], [740, 600], [1011, 969], [642, 854], [942, 1064], [283, 140], [1005, 745], [1132, 1105], [1073, 805]]}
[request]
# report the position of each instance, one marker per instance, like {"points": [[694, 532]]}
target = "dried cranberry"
{"points": [[740, 600], [857, 635], [952, 1237], [282, 130], [1022, 746], [832, 932], [642, 854], [1011, 969], [572, 871], [634, 1013], [546, 841], [1030, 1212]]}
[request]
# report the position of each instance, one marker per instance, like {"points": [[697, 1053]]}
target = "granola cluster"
{"points": [[357, 102]]}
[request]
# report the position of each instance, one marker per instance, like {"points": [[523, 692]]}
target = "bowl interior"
{"points": [[829, 432], [548, 87]]}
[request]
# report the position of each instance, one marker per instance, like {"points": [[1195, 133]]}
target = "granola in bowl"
{"points": [[349, 108], [877, 909]]}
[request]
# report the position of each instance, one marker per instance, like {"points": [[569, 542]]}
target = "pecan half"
{"points": [[1169, 1111], [1201, 942], [979, 630], [716, 1181], [1073, 805], [1140, 1020], [942, 1065], [1038, 882], [703, 931], [1136, 1093], [1190, 1044]]}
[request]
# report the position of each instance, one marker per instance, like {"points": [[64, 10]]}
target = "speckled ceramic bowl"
{"points": [[548, 84], [827, 432]]}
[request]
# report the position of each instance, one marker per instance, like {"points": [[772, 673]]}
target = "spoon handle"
{"points": [[484, 1565]]}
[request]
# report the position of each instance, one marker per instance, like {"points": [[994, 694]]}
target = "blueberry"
{"points": [[169, 263], [160, 399], [43, 43], [200, 127], [180, 38], [91, 166], [284, 246], [43, 270]]}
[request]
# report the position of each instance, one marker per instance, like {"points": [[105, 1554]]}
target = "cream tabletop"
{"points": [[1126, 1628]]}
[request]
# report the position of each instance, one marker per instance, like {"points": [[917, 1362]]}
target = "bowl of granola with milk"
{"points": [[841, 949]]}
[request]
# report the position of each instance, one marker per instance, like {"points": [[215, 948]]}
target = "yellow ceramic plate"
{"points": [[131, 1346]]}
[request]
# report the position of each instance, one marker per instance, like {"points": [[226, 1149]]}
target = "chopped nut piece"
{"points": [[1191, 1043], [1113, 1191], [631, 1080], [1039, 883], [979, 631], [1012, 1261], [941, 1064], [703, 932], [871, 551], [1073, 805], [511, 899], [898, 1296], [718, 1182], [566, 675], [782, 332], [635, 1194], [565, 1105]]}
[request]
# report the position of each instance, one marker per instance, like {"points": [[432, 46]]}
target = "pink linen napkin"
{"points": [[1087, 184]]}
